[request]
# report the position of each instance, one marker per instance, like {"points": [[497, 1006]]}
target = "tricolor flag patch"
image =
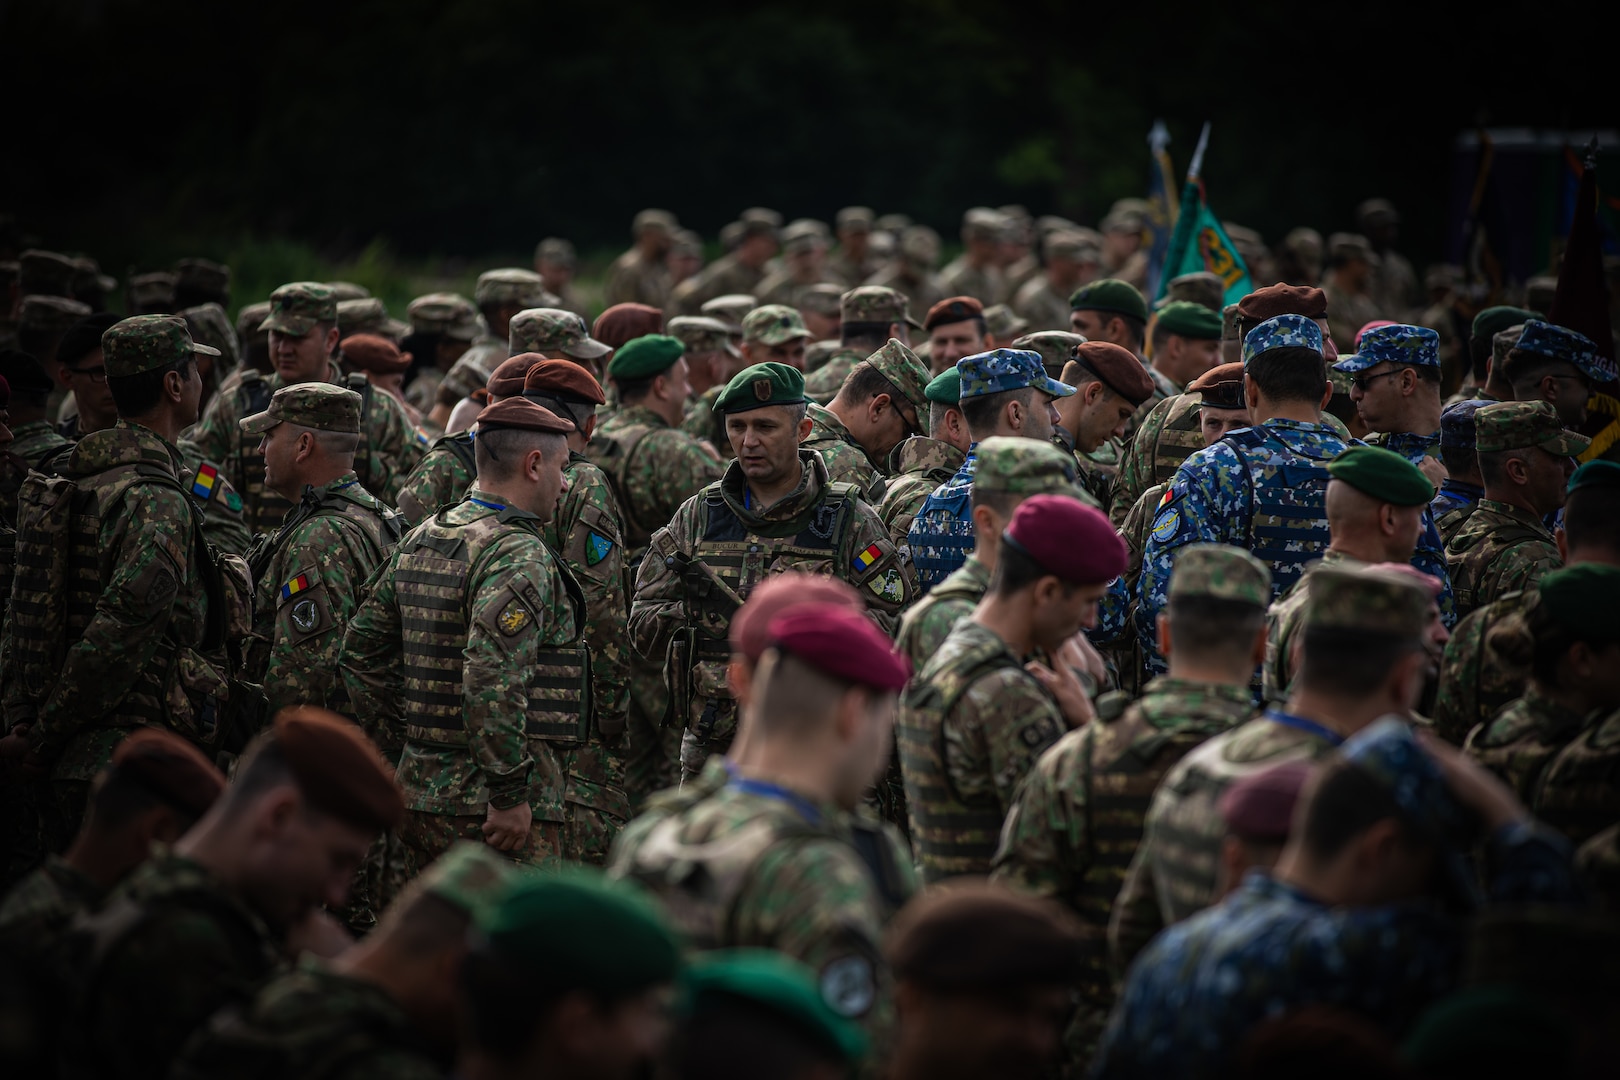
{"points": [[204, 483], [865, 559], [296, 586]]}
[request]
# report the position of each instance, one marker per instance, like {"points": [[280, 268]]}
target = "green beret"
{"points": [[1111, 295], [1221, 572], [1593, 474], [761, 385], [645, 356], [1382, 474], [1019, 466], [574, 929], [1493, 320], [1186, 319], [1583, 598], [782, 985], [946, 387]]}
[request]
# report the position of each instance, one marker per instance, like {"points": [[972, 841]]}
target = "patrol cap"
{"points": [[761, 385], [553, 330], [1003, 323], [653, 219], [347, 290], [1282, 332], [337, 767], [1502, 343], [1457, 424], [1393, 343], [523, 415], [203, 276], [1056, 348], [855, 219], [445, 314], [774, 324], [512, 285], [953, 309], [147, 343], [876, 304], [1561, 343], [1584, 598], [1221, 387], [804, 235], [319, 405], [980, 937], [151, 290], [367, 315], [701, 334], [296, 308], [897, 363], [1117, 367], [1344, 245], [1260, 807], [824, 299], [983, 223], [1374, 325], [574, 928], [1110, 295], [1001, 370], [170, 768], [250, 321], [1074, 246], [1201, 287], [1274, 300], [919, 244], [777, 594], [556, 249], [1010, 465], [1068, 539], [41, 272], [469, 876], [509, 376], [50, 313], [1367, 600], [210, 325], [645, 357], [1189, 320], [730, 309], [1221, 572], [945, 388], [564, 380], [1594, 474], [1514, 425], [840, 642], [23, 373], [1493, 320], [780, 984], [373, 353], [1383, 475]]}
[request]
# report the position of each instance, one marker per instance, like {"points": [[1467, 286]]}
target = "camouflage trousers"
{"points": [[652, 761]]}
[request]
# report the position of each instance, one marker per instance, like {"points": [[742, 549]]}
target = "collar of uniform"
{"points": [[824, 418], [812, 478], [148, 444], [1278, 424], [640, 414], [921, 455], [1510, 511], [1239, 695], [1409, 444], [1555, 722], [347, 480], [486, 501], [1462, 489]]}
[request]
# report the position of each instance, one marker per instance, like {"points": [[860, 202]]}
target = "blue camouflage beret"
{"points": [[1282, 332], [1561, 343], [1000, 370], [1396, 343]]}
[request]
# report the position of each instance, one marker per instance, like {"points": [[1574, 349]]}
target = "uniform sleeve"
{"points": [[658, 608], [668, 470], [1043, 841], [1523, 568], [995, 734], [394, 449], [593, 551], [216, 433], [1137, 471], [1136, 917], [370, 660], [511, 605], [1201, 508], [308, 627], [873, 564], [1430, 557]]}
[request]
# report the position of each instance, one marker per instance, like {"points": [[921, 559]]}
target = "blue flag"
{"points": [[1199, 243]]}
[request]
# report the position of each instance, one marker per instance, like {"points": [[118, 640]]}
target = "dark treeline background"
{"points": [[143, 129]]}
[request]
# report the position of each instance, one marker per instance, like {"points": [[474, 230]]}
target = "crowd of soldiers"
{"points": [[817, 664]]}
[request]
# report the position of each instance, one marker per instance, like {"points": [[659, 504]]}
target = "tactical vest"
{"points": [[1452, 520], [612, 452], [379, 527], [267, 507], [1580, 790], [431, 579], [1287, 521], [941, 536], [460, 443], [1470, 565], [1179, 438], [942, 822]]}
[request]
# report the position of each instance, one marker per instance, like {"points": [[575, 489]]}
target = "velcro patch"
{"points": [[597, 548], [513, 617]]}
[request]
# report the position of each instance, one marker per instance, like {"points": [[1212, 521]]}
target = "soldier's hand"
{"points": [[1080, 654], [1473, 785], [508, 830], [14, 745], [1065, 688]]}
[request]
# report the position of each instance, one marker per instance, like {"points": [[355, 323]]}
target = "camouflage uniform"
{"points": [[441, 478], [1453, 505], [1521, 743], [1578, 795], [633, 279], [861, 304], [928, 622], [916, 467], [1498, 550], [39, 909], [35, 441], [823, 384], [845, 460], [653, 467], [726, 276], [983, 283], [717, 547], [218, 504], [1283, 621], [1041, 305], [704, 424], [1476, 679]]}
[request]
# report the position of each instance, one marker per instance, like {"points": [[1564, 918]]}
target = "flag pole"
{"points": [[1196, 168]]}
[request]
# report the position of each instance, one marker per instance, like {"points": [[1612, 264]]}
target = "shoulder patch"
{"points": [[233, 501], [305, 616], [597, 547], [1166, 524], [205, 482], [863, 561], [513, 617], [888, 586], [302, 583], [849, 986]]}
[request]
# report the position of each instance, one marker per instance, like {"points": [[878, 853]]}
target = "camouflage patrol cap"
{"points": [[1282, 332], [347, 290], [731, 308], [1221, 572], [686, 242], [210, 325], [919, 244], [855, 219], [945, 388], [983, 223], [894, 223], [47, 273], [1200, 287], [1383, 475], [469, 876], [557, 250], [367, 315], [1070, 245], [512, 285], [1001, 370], [1351, 246], [1189, 320], [448, 315], [1055, 346], [1514, 425], [773, 324], [318, 405], [552, 330], [250, 320], [147, 343], [653, 219], [761, 385], [203, 276], [1229, 323], [803, 235], [1010, 465], [50, 313], [1504, 342], [1221, 387], [823, 298], [761, 216], [1367, 600], [1569, 346], [1393, 343], [701, 334], [1003, 323], [1112, 296], [298, 307], [155, 289], [876, 304], [909, 375]]}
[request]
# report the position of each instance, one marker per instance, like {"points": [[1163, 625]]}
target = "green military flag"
{"points": [[1199, 242]]}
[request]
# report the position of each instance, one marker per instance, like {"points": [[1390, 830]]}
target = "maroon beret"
{"points": [[563, 379], [953, 309], [626, 322], [839, 641], [1117, 367], [519, 412], [750, 629], [977, 936], [1067, 539], [507, 378], [1274, 300], [170, 768], [369, 352], [1261, 805], [1221, 386], [338, 769]]}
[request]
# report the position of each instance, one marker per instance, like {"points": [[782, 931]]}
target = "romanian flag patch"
{"points": [[865, 559], [204, 483], [296, 586]]}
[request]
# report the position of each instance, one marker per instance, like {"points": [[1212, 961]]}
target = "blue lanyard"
{"points": [[481, 502], [350, 484], [1310, 727], [771, 791]]}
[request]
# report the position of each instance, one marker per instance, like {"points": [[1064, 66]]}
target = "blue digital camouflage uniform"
{"points": [[941, 536], [1430, 554], [1454, 494]]}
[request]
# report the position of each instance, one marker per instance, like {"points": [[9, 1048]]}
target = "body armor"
{"points": [[1287, 527]]}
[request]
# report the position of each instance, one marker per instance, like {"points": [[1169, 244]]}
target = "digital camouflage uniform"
{"points": [[845, 460], [1041, 305], [1579, 794], [1476, 678], [983, 283], [861, 304], [653, 467], [35, 441], [704, 563], [1498, 550], [1521, 743], [703, 423], [441, 478], [1453, 505], [1283, 621], [917, 466], [222, 513], [35, 919], [823, 384], [726, 276]]}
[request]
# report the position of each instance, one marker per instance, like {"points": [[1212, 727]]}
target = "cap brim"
{"points": [[258, 423], [783, 339], [1567, 443], [731, 350], [1055, 388], [1353, 363], [913, 323], [294, 325], [205, 350], [589, 349], [752, 405]]}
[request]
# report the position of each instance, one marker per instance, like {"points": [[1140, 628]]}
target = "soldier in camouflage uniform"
{"points": [[767, 859], [310, 573], [1463, 487], [367, 315], [974, 719], [738, 271], [774, 509], [1362, 658], [1526, 459], [911, 272], [803, 264], [854, 260], [443, 327], [711, 361], [1076, 819], [1110, 385], [556, 261], [1043, 301], [1345, 286], [869, 315], [303, 336], [639, 276], [383, 1010], [975, 272], [500, 296], [33, 438], [879, 406], [470, 642], [919, 465]]}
